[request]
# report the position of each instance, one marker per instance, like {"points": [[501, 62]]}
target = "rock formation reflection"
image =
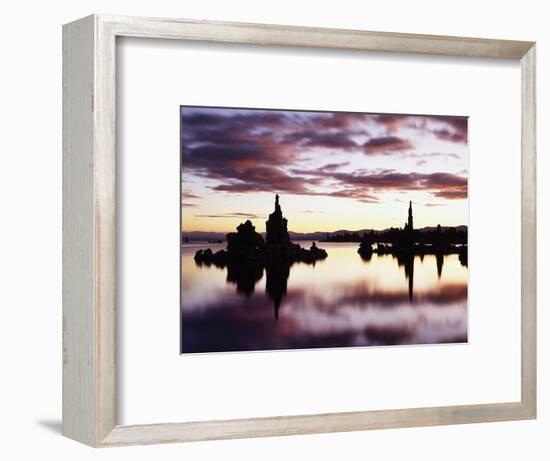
{"points": [[439, 262], [407, 261], [346, 301], [276, 284], [245, 276]]}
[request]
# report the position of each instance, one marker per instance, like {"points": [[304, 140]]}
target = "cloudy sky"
{"points": [[333, 170]]}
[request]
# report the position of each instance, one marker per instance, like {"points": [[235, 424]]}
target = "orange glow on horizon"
{"points": [[337, 214]]}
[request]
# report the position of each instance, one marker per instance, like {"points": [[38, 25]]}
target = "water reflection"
{"points": [[276, 284], [343, 301], [245, 276], [439, 262]]}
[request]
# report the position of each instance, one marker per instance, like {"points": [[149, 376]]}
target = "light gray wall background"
{"points": [[30, 226]]}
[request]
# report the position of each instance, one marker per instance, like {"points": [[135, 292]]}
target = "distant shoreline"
{"points": [[216, 237]]}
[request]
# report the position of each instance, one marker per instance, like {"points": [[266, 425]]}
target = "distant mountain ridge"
{"points": [[318, 235]]}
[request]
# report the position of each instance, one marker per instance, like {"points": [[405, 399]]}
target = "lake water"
{"points": [[340, 301]]}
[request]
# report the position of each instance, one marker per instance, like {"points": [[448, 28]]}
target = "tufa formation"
{"points": [[248, 245]]}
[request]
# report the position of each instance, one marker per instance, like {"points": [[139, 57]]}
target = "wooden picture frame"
{"points": [[89, 233]]}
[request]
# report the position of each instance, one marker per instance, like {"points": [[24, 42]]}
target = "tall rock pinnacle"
{"points": [[276, 227], [410, 220]]}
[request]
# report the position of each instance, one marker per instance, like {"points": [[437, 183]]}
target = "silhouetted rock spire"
{"points": [[247, 245], [409, 228], [276, 227], [410, 220]]}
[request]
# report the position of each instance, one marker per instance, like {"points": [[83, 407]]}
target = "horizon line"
{"points": [[325, 231]]}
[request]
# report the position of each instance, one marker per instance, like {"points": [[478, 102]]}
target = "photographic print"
{"points": [[312, 229]]}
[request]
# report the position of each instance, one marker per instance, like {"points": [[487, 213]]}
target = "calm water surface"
{"points": [[341, 301]]}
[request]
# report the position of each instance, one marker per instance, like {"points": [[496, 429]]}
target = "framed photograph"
{"points": [[274, 230]]}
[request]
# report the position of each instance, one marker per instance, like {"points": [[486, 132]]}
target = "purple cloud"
{"points": [[244, 151]]}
